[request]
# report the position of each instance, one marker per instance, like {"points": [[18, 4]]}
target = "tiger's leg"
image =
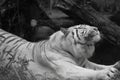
{"points": [[94, 66], [67, 70]]}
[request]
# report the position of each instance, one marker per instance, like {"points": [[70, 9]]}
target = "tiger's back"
{"points": [[8, 39], [18, 53], [11, 46]]}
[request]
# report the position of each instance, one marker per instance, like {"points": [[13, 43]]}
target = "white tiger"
{"points": [[64, 56]]}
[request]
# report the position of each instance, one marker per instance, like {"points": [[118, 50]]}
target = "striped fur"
{"points": [[63, 56]]}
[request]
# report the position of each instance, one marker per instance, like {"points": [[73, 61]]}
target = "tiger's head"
{"points": [[82, 34], [78, 40]]}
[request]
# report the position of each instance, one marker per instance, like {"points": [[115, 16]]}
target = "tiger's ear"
{"points": [[65, 31]]}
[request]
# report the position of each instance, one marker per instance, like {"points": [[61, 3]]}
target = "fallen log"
{"points": [[90, 16]]}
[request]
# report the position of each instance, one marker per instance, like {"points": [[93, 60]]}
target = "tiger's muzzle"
{"points": [[93, 35]]}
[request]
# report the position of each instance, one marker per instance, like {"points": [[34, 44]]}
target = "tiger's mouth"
{"points": [[93, 36]]}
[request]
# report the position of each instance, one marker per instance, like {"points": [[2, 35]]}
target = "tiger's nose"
{"points": [[96, 29]]}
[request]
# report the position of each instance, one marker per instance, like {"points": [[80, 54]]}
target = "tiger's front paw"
{"points": [[117, 65], [106, 74]]}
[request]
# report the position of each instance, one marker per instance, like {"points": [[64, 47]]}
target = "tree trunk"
{"points": [[90, 16]]}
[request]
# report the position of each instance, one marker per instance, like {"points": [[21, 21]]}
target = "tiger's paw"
{"points": [[117, 73], [106, 74], [117, 65]]}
